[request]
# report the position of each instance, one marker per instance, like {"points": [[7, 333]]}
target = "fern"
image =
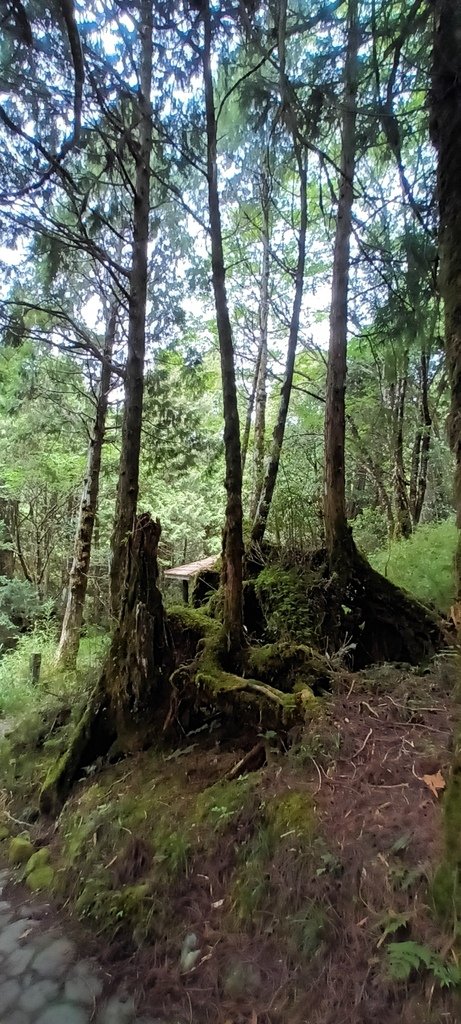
{"points": [[405, 957]]}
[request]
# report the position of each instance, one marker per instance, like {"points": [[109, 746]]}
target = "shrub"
{"points": [[423, 564]]}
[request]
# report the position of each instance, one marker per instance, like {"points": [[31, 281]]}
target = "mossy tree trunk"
{"points": [[445, 100], [79, 572], [132, 696]]}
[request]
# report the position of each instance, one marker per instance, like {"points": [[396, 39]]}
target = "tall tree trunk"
{"points": [[250, 407], [446, 134], [261, 393], [421, 446], [337, 534], [128, 481], [270, 479], [78, 577], [403, 524], [233, 530]]}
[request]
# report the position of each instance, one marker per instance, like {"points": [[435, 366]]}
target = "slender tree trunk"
{"points": [[270, 479], [402, 505], [261, 392], [250, 407], [233, 531], [422, 445], [78, 578], [6, 545], [128, 482], [337, 534], [446, 134]]}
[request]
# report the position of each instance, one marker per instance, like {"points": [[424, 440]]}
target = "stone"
{"points": [[4, 906], [53, 961], [20, 850], [18, 1017], [118, 1010], [9, 994], [38, 995], [83, 984], [38, 859], [63, 1013], [18, 961], [40, 878], [11, 935], [37, 911]]}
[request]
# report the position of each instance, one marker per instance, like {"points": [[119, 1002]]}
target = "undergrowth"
{"points": [[423, 564], [17, 692]]}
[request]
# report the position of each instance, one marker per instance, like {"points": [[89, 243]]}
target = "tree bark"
{"points": [[403, 523], [78, 577], [445, 100], [249, 414], [128, 481], [233, 530], [261, 392], [338, 538], [6, 544], [422, 445]]}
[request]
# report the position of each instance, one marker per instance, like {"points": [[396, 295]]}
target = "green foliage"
{"points": [[423, 564], [17, 694], [403, 958], [20, 605]]}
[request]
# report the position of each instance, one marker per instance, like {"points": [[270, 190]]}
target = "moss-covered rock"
{"points": [[40, 859], [4, 833], [20, 850], [40, 878]]}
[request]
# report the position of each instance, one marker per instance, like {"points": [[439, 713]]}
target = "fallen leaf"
{"points": [[217, 903], [435, 782]]}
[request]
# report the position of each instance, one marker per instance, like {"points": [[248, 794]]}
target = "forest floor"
{"points": [[300, 893]]}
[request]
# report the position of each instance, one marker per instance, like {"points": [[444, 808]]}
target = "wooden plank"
{"points": [[186, 572]]}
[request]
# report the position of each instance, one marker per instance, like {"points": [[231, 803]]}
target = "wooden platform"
{"points": [[184, 573]]}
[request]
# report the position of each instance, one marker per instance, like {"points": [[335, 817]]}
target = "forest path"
{"points": [[44, 980]]}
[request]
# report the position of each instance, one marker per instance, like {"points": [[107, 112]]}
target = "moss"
{"points": [[288, 666], [61, 773], [183, 618], [4, 833], [287, 600], [224, 801], [40, 878], [446, 888], [292, 814], [20, 850], [40, 859]]}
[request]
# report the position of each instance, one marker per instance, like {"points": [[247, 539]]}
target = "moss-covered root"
{"points": [[263, 696], [88, 740]]}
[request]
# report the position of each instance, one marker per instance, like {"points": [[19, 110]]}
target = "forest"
{"points": [[230, 498]]}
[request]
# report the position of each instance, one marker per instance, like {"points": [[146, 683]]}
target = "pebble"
{"points": [[42, 981]]}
